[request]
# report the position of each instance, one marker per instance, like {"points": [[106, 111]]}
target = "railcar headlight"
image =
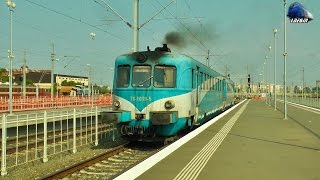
{"points": [[116, 103], [169, 104]]}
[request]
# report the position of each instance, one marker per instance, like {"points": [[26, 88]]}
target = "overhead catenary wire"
{"points": [[194, 15], [114, 11], [156, 14], [188, 29], [202, 46], [74, 19], [173, 17], [33, 27]]}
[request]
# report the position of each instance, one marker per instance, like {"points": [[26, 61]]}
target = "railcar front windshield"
{"points": [[123, 76], [141, 76], [164, 76]]}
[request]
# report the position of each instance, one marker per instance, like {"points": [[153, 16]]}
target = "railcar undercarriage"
{"points": [[143, 134]]}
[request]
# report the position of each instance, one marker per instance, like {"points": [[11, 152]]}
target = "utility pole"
{"points": [[208, 55], [136, 26], [267, 68], [302, 82], [90, 85], [249, 82], [227, 70], [248, 89], [90, 82], [24, 83], [317, 86], [247, 69], [275, 69], [285, 54], [52, 69]]}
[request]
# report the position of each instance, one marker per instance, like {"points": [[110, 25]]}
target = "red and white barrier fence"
{"points": [[35, 103]]}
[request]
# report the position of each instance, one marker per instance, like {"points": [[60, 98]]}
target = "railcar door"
{"points": [[198, 84]]}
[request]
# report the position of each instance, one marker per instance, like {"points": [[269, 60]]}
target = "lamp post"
{"points": [[317, 86], [11, 5], [269, 79], [93, 35], [275, 70], [90, 85], [285, 54], [52, 70], [260, 83], [57, 85], [266, 77]]}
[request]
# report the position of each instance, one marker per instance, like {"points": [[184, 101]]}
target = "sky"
{"points": [[237, 34]]}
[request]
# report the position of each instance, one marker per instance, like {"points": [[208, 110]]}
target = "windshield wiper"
{"points": [[142, 82]]}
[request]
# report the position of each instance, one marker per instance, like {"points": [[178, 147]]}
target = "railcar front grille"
{"points": [[161, 118]]}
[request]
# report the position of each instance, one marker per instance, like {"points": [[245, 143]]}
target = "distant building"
{"points": [[67, 91], [42, 78], [259, 88], [59, 78]]}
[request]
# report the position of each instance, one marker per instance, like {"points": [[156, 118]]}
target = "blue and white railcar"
{"points": [[157, 93]]}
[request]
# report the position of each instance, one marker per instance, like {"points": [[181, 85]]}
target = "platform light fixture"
{"points": [[11, 6], [275, 66], [90, 84], [285, 54]]}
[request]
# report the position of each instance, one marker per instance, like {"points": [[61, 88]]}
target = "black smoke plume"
{"points": [[176, 39], [191, 35]]}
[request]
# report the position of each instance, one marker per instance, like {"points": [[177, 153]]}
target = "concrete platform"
{"points": [[253, 141]]}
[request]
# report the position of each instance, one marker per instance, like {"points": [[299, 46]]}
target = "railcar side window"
{"points": [[201, 80], [205, 82], [123, 76], [193, 78], [164, 76], [212, 83], [141, 76]]}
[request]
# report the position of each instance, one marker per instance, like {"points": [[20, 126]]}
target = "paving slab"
{"points": [[260, 145]]}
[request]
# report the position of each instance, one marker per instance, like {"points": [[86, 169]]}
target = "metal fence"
{"points": [[32, 103], [307, 101], [36, 136]]}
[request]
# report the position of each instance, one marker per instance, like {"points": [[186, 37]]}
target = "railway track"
{"points": [[105, 166]]}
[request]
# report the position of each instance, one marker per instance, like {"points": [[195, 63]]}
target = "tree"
{"points": [[296, 90], [315, 90], [3, 78], [102, 89], [29, 82], [307, 90], [19, 81], [69, 83]]}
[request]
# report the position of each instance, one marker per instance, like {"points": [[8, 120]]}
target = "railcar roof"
{"points": [[158, 54], [161, 53]]}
